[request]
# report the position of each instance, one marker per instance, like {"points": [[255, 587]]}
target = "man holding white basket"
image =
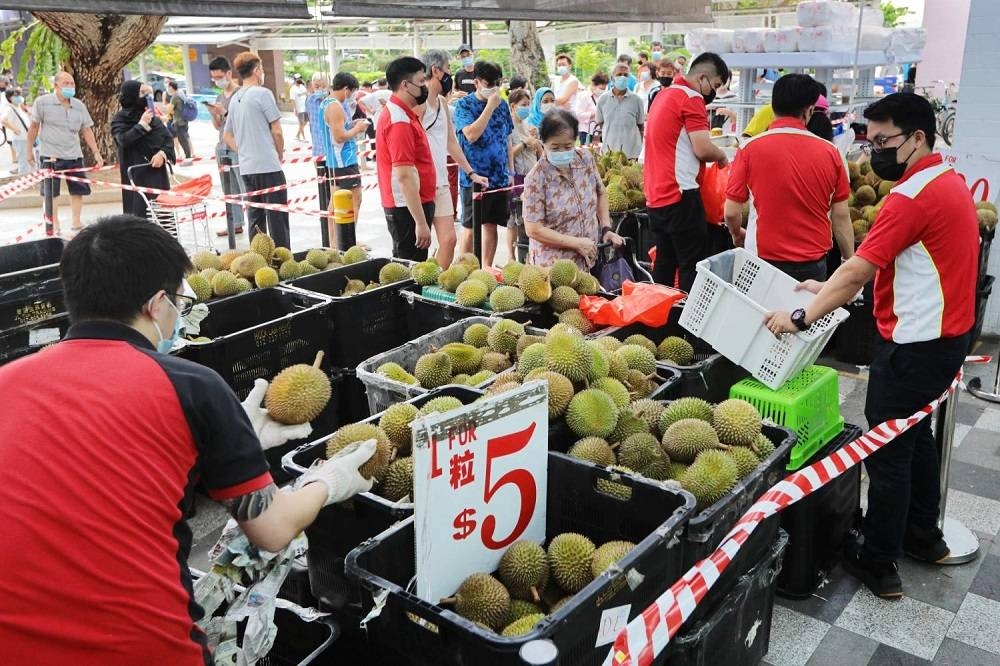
{"points": [[922, 251]]}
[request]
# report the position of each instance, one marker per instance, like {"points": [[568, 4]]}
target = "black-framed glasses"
{"points": [[184, 304], [878, 145]]}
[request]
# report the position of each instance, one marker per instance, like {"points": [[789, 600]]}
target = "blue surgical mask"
{"points": [[621, 82], [166, 344], [644, 75], [18, 99], [523, 112], [560, 158], [68, 92], [563, 70], [656, 55], [466, 61]]}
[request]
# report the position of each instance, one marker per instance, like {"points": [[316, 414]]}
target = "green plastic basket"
{"points": [[808, 403], [445, 296]]}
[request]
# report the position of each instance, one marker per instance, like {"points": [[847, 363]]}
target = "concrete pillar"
{"points": [[331, 55], [188, 52], [622, 46]]}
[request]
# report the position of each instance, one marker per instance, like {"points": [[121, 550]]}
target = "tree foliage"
{"points": [[43, 55], [892, 16]]}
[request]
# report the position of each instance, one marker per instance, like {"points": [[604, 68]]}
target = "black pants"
{"points": [[905, 473], [184, 139], [802, 270], [276, 222], [402, 228], [680, 233]]}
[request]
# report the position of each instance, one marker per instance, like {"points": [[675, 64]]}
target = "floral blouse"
{"points": [[566, 203]]}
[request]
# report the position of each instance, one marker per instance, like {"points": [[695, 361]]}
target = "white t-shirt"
{"points": [[374, 103], [562, 85], [436, 123], [12, 114], [299, 95]]}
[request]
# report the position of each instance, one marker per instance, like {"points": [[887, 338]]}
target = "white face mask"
{"points": [[548, 106], [487, 92]]}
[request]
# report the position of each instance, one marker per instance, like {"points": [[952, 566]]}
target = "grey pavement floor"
{"points": [[949, 616]]}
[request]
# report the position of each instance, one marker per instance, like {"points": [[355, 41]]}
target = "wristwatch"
{"points": [[799, 319]]}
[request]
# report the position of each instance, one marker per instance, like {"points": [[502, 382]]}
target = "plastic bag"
{"points": [[713, 192], [187, 194], [640, 302], [614, 272]]}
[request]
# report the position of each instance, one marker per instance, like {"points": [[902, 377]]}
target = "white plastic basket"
{"points": [[731, 294]]}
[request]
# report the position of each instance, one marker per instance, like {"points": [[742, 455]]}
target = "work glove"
{"points": [[340, 474], [192, 322], [270, 432]]}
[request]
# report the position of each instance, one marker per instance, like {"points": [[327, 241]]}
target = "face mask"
{"points": [[422, 97], [548, 106], [621, 82], [563, 70], [644, 75], [886, 167], [166, 344], [522, 112], [219, 83], [487, 92], [709, 97], [68, 92], [18, 99], [467, 61], [560, 158], [656, 56], [446, 83], [666, 81]]}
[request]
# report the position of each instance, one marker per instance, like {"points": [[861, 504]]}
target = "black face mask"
{"points": [[710, 96], [422, 97], [446, 83], [666, 81], [886, 167]]}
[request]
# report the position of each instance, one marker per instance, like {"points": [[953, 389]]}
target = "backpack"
{"points": [[189, 110]]}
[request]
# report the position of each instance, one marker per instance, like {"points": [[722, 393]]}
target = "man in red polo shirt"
{"points": [[677, 147], [406, 175], [922, 251], [791, 177], [106, 435]]}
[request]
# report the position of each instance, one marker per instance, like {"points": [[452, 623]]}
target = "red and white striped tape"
{"points": [[645, 637], [22, 183]]}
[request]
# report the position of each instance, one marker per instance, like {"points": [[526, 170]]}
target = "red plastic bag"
{"points": [[181, 195], [713, 192], [641, 302]]}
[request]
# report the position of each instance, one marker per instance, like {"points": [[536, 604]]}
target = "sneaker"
{"points": [[882, 578], [925, 545]]}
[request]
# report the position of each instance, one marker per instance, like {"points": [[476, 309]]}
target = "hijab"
{"points": [[133, 106], [536, 115]]}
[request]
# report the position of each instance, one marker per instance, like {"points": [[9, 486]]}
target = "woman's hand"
{"points": [[613, 238], [147, 118], [158, 160], [587, 249]]}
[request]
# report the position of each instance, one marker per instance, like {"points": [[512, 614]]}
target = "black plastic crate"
{"points": [[818, 525], [31, 302], [341, 527], [706, 529], [412, 631], [18, 342], [856, 336], [425, 315], [297, 642], [737, 630], [982, 298], [362, 325], [30, 261], [709, 377], [985, 242]]}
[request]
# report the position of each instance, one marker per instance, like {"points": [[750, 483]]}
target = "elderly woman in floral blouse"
{"points": [[565, 204]]}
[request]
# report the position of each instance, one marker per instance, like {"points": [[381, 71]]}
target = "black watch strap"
{"points": [[799, 319]]}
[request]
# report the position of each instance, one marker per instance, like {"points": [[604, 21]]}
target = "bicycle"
{"points": [[944, 109]]}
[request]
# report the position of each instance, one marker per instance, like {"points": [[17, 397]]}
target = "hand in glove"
{"points": [[192, 322], [270, 432], [340, 474]]}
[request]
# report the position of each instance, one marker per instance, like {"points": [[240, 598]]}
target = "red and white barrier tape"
{"points": [[645, 637], [22, 183]]}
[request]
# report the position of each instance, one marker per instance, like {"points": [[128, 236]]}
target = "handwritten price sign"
{"points": [[480, 476], [981, 173]]}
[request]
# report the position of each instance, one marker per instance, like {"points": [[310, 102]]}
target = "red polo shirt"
{"points": [[671, 166], [925, 242], [400, 140], [791, 177]]}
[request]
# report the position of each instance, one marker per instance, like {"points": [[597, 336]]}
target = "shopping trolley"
{"points": [[183, 212]]}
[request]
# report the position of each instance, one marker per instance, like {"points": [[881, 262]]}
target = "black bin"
{"points": [[425, 315], [30, 261], [21, 341]]}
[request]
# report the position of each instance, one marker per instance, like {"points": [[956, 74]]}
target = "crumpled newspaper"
{"points": [[192, 322], [235, 559]]}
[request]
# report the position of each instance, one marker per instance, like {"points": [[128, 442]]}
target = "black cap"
{"points": [[463, 48]]}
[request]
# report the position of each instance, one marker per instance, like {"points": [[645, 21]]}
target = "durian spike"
{"points": [[319, 359]]}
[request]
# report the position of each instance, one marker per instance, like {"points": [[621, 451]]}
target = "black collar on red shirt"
{"points": [[107, 330]]}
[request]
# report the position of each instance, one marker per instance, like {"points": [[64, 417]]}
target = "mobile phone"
{"points": [[150, 104]]}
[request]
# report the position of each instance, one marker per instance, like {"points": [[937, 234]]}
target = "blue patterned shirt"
{"points": [[317, 126], [488, 154]]}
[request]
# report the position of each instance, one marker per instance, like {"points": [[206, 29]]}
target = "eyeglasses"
{"points": [[878, 145], [184, 304]]}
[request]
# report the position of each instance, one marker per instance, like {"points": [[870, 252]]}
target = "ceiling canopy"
{"points": [[289, 9], [674, 11]]}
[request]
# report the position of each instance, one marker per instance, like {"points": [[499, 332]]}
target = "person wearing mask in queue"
{"points": [[543, 102], [677, 147], [342, 151], [319, 133], [407, 179], [465, 80], [180, 125], [585, 106], [145, 428], [484, 127], [444, 144], [566, 84], [647, 83], [656, 51], [253, 130], [142, 139], [565, 203], [517, 82], [229, 176], [798, 182], [526, 148], [621, 115], [922, 252], [680, 63], [626, 59], [819, 123], [299, 93], [17, 119]]}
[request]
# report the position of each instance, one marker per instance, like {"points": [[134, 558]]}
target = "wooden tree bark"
{"points": [[526, 56], [100, 46]]}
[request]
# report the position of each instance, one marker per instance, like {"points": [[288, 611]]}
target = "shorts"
{"points": [[76, 189], [493, 208], [303, 117], [344, 180], [443, 206]]}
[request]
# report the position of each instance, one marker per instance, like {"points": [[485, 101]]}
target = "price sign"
{"points": [[480, 481], [981, 173]]}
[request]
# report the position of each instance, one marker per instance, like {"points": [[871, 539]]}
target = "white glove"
{"points": [[192, 322], [340, 474], [270, 432]]}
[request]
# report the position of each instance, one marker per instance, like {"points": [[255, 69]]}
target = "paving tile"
{"points": [[979, 447], [990, 419], [987, 580], [969, 410], [961, 430], [977, 623], [209, 516], [974, 479], [890, 656], [908, 624], [941, 586], [974, 512], [956, 653], [843, 648], [794, 637], [829, 600]]}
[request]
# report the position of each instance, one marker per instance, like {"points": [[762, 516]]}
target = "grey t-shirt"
{"points": [[621, 117], [223, 100], [251, 112], [59, 135]]}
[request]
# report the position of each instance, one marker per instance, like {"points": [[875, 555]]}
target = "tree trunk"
{"points": [[100, 46], [526, 56]]}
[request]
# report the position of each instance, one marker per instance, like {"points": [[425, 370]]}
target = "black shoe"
{"points": [[925, 545], [882, 578]]}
